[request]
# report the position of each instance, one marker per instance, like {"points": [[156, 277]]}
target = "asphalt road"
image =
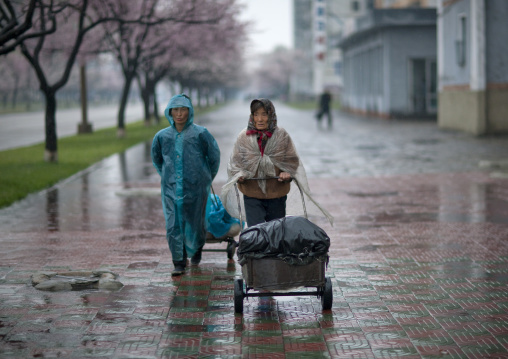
{"points": [[24, 129]]}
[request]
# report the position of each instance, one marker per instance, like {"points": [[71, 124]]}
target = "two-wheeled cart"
{"points": [[276, 277]]}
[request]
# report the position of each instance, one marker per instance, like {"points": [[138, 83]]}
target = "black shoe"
{"points": [[179, 270], [196, 258]]}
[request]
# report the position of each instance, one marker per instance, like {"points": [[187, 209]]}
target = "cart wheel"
{"points": [[239, 296], [327, 296], [231, 249]]}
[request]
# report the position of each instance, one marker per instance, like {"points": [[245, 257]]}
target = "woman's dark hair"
{"points": [[256, 105]]}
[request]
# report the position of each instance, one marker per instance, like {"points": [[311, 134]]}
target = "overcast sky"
{"points": [[272, 23]]}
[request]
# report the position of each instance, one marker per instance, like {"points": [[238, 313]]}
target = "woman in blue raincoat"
{"points": [[187, 158]]}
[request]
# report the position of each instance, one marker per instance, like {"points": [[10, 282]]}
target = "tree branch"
{"points": [[13, 34]]}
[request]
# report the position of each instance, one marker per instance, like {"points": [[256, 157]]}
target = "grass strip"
{"points": [[24, 170]]}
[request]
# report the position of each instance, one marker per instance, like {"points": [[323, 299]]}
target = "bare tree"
{"points": [[12, 32]]}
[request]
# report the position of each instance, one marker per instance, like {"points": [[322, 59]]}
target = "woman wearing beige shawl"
{"points": [[264, 150]]}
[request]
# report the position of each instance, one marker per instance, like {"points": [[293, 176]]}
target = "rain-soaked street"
{"points": [[418, 256]]}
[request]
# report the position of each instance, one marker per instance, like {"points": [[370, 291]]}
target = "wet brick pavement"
{"points": [[419, 256]]}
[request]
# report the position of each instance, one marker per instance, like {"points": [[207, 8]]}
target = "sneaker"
{"points": [[179, 270], [196, 258]]}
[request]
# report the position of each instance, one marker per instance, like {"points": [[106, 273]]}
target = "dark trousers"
{"points": [[328, 114], [263, 210], [184, 261]]}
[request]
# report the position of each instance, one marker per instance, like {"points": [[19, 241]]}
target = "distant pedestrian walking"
{"points": [[324, 108], [186, 157]]}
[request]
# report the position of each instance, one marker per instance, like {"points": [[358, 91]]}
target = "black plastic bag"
{"points": [[295, 240]]}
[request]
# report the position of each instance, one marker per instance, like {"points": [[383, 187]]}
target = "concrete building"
{"points": [[318, 27], [390, 65], [405, 3], [473, 65], [300, 87]]}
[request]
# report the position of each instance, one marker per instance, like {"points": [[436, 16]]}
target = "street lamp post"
{"points": [[84, 126]]}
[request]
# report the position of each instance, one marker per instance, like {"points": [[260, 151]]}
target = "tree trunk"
{"points": [[145, 97], [156, 107], [146, 105], [15, 93], [120, 131], [27, 94], [198, 102], [83, 126], [51, 149]]}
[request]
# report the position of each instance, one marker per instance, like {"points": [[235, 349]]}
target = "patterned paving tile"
{"points": [[485, 350], [449, 352], [263, 350], [431, 338], [297, 346]]}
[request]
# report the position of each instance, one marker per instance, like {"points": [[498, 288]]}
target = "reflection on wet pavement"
{"points": [[96, 199], [113, 194], [476, 203]]}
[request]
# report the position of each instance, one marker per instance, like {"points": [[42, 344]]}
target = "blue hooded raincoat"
{"points": [[187, 162]]}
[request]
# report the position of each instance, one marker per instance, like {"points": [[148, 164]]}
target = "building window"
{"points": [[337, 66], [355, 6], [460, 42]]}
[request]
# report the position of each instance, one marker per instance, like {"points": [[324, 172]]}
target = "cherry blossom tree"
{"points": [[194, 55], [72, 20], [60, 30], [273, 74], [16, 74], [147, 52]]}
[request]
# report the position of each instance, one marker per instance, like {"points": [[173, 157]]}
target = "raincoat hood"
{"points": [[179, 101]]}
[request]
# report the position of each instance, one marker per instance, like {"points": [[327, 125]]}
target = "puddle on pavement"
{"points": [[467, 269], [471, 203], [370, 147], [426, 141], [401, 217], [370, 248], [140, 236], [383, 219], [372, 194]]}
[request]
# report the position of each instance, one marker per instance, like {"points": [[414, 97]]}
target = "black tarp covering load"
{"points": [[295, 240]]}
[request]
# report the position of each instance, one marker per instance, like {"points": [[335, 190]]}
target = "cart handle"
{"points": [[214, 201], [264, 178], [276, 177]]}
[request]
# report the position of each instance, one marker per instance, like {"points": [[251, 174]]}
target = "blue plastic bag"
{"points": [[218, 221]]}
